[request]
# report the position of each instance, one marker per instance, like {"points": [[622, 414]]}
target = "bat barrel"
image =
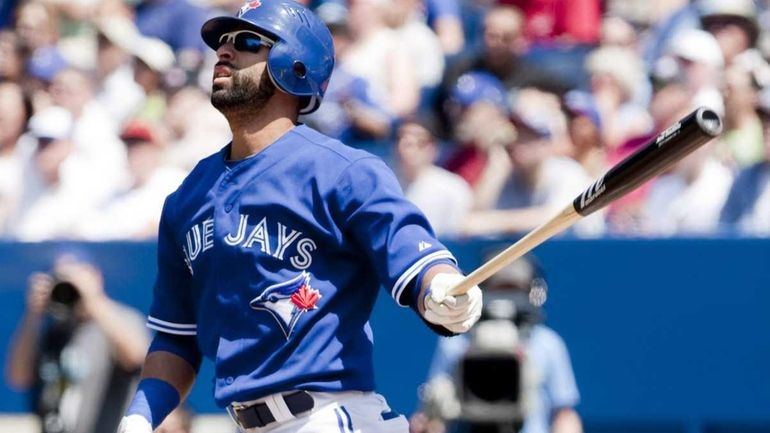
{"points": [[656, 155]]}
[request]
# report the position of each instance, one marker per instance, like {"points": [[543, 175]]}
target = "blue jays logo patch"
{"points": [[287, 301], [249, 6]]}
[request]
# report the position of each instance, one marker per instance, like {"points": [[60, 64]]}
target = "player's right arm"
{"points": [[167, 376]]}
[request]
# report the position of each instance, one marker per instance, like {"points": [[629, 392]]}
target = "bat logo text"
{"points": [[592, 192], [668, 133]]}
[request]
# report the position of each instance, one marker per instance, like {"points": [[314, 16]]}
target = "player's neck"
{"points": [[253, 133]]}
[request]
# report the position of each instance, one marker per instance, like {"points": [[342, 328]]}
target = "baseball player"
{"points": [[272, 251]]}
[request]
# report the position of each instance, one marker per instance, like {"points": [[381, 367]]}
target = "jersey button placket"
{"points": [[223, 189]]}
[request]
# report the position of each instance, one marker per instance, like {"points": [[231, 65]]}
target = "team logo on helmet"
{"points": [[249, 6], [287, 301]]}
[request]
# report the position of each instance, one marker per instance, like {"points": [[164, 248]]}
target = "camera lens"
{"points": [[65, 293]]}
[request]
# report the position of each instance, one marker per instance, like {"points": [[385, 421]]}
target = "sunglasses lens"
{"points": [[247, 42]]}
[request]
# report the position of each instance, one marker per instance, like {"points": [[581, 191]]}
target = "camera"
{"points": [[495, 383], [64, 293], [64, 296]]}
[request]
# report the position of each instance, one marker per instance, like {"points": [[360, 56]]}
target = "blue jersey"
{"points": [[274, 263]]}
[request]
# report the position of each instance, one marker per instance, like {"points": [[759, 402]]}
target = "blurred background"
{"points": [[494, 114]]}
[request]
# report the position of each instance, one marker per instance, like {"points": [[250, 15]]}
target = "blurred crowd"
{"points": [[494, 114]]}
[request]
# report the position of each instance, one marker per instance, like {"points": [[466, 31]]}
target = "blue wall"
{"points": [[665, 335]]}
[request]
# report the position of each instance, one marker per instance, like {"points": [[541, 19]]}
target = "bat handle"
{"points": [[567, 217]]}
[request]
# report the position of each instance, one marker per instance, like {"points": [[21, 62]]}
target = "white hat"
{"points": [[52, 122], [620, 63], [697, 46], [119, 30], [154, 53]]}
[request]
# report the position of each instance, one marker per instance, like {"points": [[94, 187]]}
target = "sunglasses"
{"points": [[245, 40]]}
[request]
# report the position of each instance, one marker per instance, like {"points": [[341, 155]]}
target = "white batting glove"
{"points": [[455, 313], [134, 424]]}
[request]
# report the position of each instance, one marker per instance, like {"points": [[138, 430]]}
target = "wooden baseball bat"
{"points": [[668, 147]]}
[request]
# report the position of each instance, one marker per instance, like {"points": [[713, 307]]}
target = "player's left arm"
{"points": [[402, 247]]}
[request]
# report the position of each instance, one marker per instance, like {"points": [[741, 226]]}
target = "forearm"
{"points": [[166, 381], [504, 221], [170, 368], [129, 344], [566, 421], [450, 34], [20, 367]]}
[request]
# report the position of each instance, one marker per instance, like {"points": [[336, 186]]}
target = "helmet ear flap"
{"points": [[289, 72]]}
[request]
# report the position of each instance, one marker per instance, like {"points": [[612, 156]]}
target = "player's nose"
{"points": [[226, 51]]}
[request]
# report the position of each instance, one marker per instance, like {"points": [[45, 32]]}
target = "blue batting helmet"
{"points": [[301, 60]]}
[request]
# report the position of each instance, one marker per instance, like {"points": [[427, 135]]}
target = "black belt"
{"points": [[259, 414]]}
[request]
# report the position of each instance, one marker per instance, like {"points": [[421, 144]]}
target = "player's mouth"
{"points": [[222, 71]]}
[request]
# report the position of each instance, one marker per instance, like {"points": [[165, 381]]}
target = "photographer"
{"points": [[511, 373], [76, 351]]}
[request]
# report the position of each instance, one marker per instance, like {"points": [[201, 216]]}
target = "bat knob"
{"points": [[709, 121]]}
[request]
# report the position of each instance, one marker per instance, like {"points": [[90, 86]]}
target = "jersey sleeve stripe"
{"points": [[165, 324], [170, 330], [415, 269]]}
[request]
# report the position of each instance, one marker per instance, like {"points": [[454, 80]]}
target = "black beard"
{"points": [[244, 93]]}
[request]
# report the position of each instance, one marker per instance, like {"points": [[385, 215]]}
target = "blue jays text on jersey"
{"points": [[274, 263], [200, 238]]}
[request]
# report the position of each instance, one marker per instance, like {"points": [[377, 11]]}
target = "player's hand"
{"points": [[134, 424], [455, 313]]}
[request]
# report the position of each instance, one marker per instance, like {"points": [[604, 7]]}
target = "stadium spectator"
{"points": [[444, 197], [669, 103], [700, 64], [51, 198], [195, 128], [133, 212], [14, 114], [422, 45], [38, 29], [534, 187], [742, 144], [97, 150], [116, 89], [665, 22], [560, 33], [617, 31], [76, 351], [152, 59], [479, 109], [12, 56], [500, 55], [734, 25], [688, 199], [584, 128], [747, 208], [349, 112], [444, 17], [377, 56], [512, 333], [615, 75], [177, 23], [560, 22], [37, 25]]}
